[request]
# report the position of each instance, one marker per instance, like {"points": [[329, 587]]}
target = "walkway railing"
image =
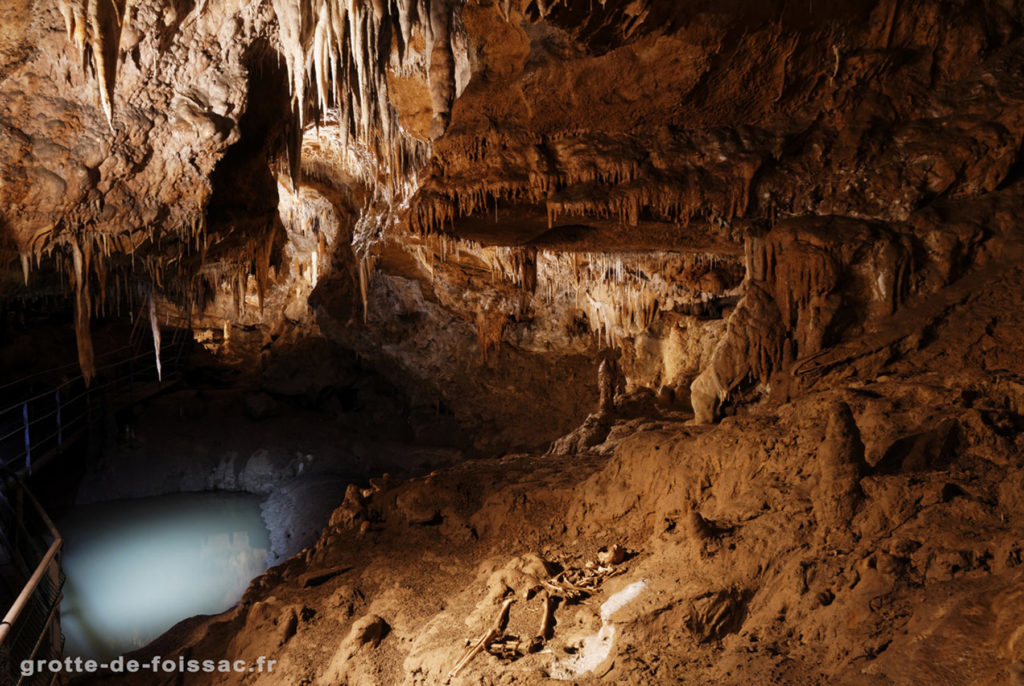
{"points": [[30, 545], [34, 430], [41, 425]]}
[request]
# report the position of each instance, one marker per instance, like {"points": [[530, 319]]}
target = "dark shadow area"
{"points": [[605, 26], [244, 186]]}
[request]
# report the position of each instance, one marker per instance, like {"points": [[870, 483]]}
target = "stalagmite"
{"points": [[155, 326], [841, 460], [606, 387]]}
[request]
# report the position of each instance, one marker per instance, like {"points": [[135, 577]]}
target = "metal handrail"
{"points": [[41, 569], [54, 370], [66, 422], [70, 408], [32, 622], [133, 345], [54, 613], [134, 342], [77, 378]]}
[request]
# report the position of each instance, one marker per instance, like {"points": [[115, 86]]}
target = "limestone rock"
{"points": [[352, 508], [368, 630], [365, 635], [841, 461], [749, 351], [422, 502], [592, 432]]}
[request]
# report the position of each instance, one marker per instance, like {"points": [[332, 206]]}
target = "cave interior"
{"points": [[512, 341]]}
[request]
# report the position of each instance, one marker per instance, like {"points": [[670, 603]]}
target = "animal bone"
{"points": [[611, 556], [547, 618], [506, 648], [485, 641]]}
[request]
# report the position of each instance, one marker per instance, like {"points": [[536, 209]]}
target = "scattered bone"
{"points": [[546, 622], [574, 584], [485, 641], [506, 648], [570, 585], [611, 556]]}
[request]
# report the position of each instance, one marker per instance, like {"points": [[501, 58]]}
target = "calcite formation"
{"points": [[614, 142]]}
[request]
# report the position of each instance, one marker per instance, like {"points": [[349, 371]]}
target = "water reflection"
{"points": [[137, 567]]}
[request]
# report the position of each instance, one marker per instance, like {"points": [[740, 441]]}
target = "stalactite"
{"points": [[336, 53], [155, 327], [239, 292], [88, 23], [490, 326], [592, 175], [100, 62], [404, 21], [622, 294], [262, 252], [440, 65], [80, 282], [366, 265]]}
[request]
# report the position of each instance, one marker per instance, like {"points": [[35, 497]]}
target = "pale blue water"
{"points": [[137, 567]]}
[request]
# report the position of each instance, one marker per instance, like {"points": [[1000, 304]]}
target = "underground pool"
{"points": [[137, 567]]}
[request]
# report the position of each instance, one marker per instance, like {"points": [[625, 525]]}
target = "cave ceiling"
{"points": [[153, 139]]}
